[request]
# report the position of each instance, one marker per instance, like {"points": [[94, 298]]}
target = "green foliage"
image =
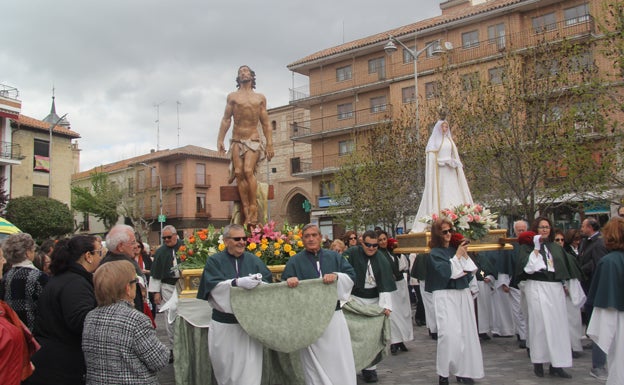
{"points": [[380, 183], [41, 217], [101, 200], [541, 136]]}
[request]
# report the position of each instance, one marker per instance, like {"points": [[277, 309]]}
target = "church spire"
{"points": [[52, 117]]}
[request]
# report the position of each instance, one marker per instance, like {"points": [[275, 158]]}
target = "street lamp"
{"points": [[391, 48], [160, 217]]}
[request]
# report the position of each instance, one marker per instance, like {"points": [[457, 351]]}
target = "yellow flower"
{"points": [[258, 254], [299, 243], [292, 253], [264, 241], [277, 253], [264, 246], [277, 246], [296, 237], [287, 247], [221, 246], [252, 246], [280, 241]]}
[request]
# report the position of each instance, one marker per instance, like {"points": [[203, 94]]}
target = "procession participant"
{"points": [[329, 360], [373, 281], [236, 357]]}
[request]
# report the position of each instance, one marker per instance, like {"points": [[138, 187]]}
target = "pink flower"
{"points": [[434, 217]]}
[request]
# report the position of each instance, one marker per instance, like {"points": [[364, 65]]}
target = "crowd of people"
{"points": [[89, 317]]}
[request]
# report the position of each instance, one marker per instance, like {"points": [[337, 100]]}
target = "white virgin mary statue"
{"points": [[445, 182]]}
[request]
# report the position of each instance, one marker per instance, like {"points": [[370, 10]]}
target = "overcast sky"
{"points": [[111, 62]]}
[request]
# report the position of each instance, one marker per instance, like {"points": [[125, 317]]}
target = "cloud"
{"points": [[112, 62]]}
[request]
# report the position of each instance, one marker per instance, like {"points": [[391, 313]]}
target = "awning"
{"points": [[7, 227]]}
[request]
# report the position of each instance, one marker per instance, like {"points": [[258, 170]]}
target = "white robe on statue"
{"points": [[401, 328], [236, 357], [445, 182], [329, 361]]}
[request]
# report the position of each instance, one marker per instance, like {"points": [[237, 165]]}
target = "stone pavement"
{"points": [[504, 364]]}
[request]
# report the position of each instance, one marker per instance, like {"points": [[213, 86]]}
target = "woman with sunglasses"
{"points": [[350, 239], [544, 268], [63, 306], [119, 343], [449, 271]]}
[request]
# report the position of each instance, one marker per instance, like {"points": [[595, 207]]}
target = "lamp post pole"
{"points": [[160, 196], [391, 48]]}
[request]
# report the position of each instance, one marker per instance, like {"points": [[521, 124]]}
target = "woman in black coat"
{"points": [[63, 306]]}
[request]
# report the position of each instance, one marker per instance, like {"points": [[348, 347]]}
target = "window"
{"points": [[343, 73], [200, 202], [496, 75], [141, 180], [407, 55], [431, 89], [179, 171], [408, 94], [547, 68], [378, 104], [200, 173], [327, 188], [154, 206], [345, 147], [377, 65], [496, 35], [576, 15], [544, 23], [581, 62], [141, 207], [153, 177], [179, 204], [40, 191], [470, 39], [345, 111], [470, 82], [41, 159], [435, 46], [130, 186]]}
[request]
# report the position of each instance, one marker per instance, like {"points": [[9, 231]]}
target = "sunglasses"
{"points": [[444, 232], [167, 237], [558, 239], [237, 239], [352, 237], [373, 245]]}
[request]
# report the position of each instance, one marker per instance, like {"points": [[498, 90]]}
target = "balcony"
{"points": [[10, 153], [339, 124]]}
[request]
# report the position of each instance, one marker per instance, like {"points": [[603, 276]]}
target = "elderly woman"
{"points": [[23, 283], [119, 343], [63, 306], [449, 271], [544, 267], [606, 326]]}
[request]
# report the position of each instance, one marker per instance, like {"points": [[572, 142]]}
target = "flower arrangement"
{"points": [[199, 246], [273, 246], [472, 221]]}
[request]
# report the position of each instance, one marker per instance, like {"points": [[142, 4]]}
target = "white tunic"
{"points": [[401, 328], [502, 308], [606, 328], [430, 317], [329, 361], [484, 306]]}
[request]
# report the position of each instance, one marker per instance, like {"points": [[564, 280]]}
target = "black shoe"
{"points": [[538, 369], [434, 336], [484, 336], [443, 380], [402, 347], [576, 354], [465, 380], [522, 344], [394, 349], [171, 356], [559, 372], [420, 323], [369, 375]]}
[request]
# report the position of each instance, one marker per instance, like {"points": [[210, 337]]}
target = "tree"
{"points": [[380, 182], [102, 199], [538, 133], [41, 217]]}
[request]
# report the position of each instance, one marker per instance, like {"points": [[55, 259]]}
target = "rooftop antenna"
{"points": [[178, 111], [157, 105]]}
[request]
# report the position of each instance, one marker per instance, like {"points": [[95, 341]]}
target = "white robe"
{"points": [[459, 350], [484, 306], [329, 360], [606, 328], [445, 183], [236, 357], [575, 324], [548, 339], [427, 298], [502, 308], [401, 328], [518, 314]]}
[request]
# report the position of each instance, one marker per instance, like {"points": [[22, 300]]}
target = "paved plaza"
{"points": [[504, 364]]}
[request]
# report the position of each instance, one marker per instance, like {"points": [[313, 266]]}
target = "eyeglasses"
{"points": [[98, 252], [350, 238], [237, 239], [543, 227], [558, 239], [373, 245], [134, 281], [444, 232], [167, 237]]}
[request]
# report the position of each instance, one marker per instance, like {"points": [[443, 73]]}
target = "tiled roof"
{"points": [[153, 157], [37, 124], [450, 16]]}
